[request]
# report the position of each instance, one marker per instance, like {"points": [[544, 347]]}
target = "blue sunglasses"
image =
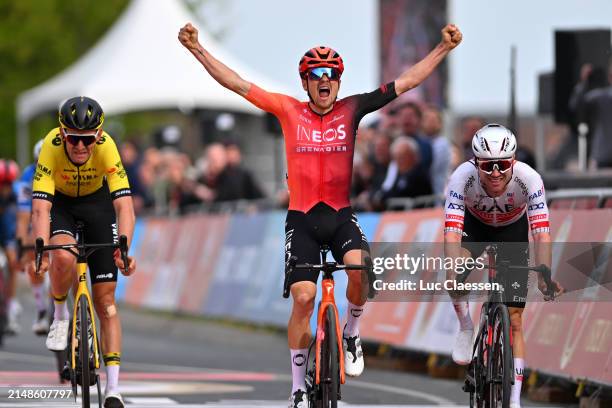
{"points": [[317, 73]]}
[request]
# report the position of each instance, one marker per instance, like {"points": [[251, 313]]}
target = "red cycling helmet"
{"points": [[321, 57], [9, 171]]}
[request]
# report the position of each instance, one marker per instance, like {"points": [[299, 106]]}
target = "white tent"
{"points": [[140, 65]]}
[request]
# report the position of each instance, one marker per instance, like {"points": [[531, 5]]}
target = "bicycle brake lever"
{"points": [[546, 274], [123, 248], [39, 252], [288, 270], [371, 277]]}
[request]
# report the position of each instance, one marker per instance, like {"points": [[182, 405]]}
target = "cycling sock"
{"points": [[14, 308], [515, 395], [61, 308], [112, 361], [298, 369], [462, 309], [353, 312], [39, 296]]}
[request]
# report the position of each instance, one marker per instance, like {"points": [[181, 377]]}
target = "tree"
{"points": [[38, 39]]}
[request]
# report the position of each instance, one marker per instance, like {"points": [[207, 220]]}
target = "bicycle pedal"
{"points": [[468, 387], [65, 374]]}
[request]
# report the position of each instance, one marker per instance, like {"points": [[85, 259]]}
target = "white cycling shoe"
{"points": [[298, 399], [57, 339], [462, 349], [113, 400], [353, 355]]}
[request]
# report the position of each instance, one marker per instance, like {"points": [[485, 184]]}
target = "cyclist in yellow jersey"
{"points": [[78, 167]]}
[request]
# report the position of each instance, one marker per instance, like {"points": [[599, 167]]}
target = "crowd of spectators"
{"points": [[166, 180], [406, 154]]}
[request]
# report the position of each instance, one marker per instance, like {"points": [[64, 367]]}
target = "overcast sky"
{"points": [[271, 36]]}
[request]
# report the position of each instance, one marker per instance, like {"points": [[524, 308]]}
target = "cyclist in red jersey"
{"points": [[319, 143]]}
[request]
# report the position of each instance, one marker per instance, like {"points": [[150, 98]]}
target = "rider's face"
{"points": [[322, 91], [496, 182], [80, 143]]}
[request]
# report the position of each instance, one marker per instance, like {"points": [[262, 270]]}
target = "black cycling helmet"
{"points": [[81, 113]]}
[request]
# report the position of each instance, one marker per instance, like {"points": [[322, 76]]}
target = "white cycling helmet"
{"points": [[494, 141], [37, 149]]}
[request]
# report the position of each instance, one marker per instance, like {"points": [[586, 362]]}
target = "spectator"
{"points": [[410, 180], [596, 106], [226, 181], [130, 157], [411, 118], [440, 165], [469, 126], [361, 189], [381, 157], [250, 188]]}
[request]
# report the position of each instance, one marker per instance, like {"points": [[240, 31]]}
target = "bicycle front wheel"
{"points": [[330, 376], [502, 365], [84, 353]]}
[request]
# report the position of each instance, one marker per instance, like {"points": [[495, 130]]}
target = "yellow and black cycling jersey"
{"points": [[55, 171]]}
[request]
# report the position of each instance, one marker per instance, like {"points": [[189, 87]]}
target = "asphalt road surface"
{"points": [[187, 362]]}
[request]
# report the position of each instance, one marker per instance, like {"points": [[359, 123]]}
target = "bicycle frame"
{"points": [[327, 300], [83, 290]]}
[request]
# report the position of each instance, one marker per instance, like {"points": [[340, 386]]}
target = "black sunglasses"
{"points": [[85, 139]]}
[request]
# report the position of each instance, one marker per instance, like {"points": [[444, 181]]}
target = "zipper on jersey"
{"points": [[78, 181], [321, 162]]}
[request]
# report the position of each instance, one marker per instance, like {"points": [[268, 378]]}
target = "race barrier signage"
{"points": [[232, 266]]}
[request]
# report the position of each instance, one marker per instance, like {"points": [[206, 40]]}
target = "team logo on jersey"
{"points": [[538, 206], [453, 206], [56, 141], [102, 140], [111, 170], [43, 169], [536, 194], [522, 185], [482, 208], [331, 134], [454, 194]]}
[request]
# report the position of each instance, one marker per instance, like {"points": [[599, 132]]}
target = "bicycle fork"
{"points": [[327, 300], [82, 290]]}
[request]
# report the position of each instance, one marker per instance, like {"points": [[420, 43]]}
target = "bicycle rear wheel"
{"points": [[84, 352], [330, 376], [480, 364], [501, 360]]}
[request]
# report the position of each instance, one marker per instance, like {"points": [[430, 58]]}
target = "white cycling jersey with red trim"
{"points": [[524, 192]]}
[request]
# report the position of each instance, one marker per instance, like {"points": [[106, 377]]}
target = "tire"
{"points": [[480, 370], [501, 360], [84, 356], [330, 376]]}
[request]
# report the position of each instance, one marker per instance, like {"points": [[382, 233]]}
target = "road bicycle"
{"points": [[83, 345], [325, 373], [490, 375]]}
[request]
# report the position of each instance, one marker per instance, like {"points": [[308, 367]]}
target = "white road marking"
{"points": [[280, 377]]}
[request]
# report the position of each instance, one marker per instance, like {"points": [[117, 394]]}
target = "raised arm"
{"points": [[412, 77], [188, 36]]}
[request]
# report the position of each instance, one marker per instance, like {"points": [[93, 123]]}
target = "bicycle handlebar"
{"points": [[40, 247], [504, 266], [329, 267]]}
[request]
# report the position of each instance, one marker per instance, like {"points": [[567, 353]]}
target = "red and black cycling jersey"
{"points": [[320, 148]]}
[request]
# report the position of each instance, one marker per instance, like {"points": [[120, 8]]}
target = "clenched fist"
{"points": [[188, 36], [451, 36]]}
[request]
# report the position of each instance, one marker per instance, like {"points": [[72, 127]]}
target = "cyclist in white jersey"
{"points": [[494, 198]]}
